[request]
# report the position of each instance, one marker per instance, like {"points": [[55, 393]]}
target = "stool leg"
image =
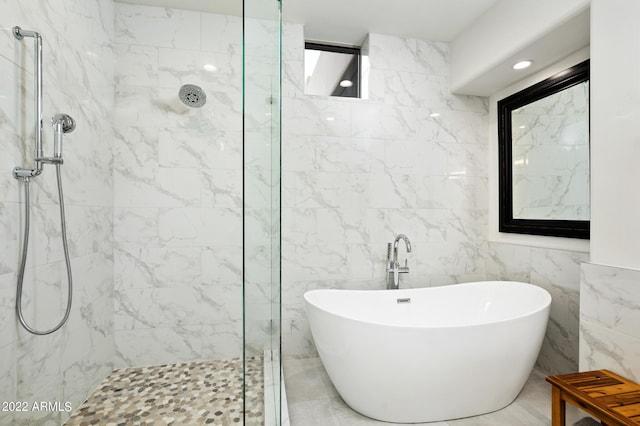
{"points": [[558, 407]]}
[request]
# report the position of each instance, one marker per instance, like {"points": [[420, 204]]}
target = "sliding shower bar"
{"points": [[62, 123], [38, 158]]}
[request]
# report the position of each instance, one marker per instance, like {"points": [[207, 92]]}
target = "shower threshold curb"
{"points": [[270, 397]]}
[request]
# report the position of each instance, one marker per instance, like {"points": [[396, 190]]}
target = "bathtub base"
{"points": [[427, 413], [430, 403], [446, 374]]}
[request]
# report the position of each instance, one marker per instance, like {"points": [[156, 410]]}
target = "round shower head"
{"points": [[192, 96]]}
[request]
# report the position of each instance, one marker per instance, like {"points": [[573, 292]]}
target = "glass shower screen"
{"points": [[261, 210]]}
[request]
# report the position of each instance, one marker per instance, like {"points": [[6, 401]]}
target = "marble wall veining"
{"points": [[609, 315], [409, 159], [177, 186], [78, 80], [551, 157], [558, 272]]}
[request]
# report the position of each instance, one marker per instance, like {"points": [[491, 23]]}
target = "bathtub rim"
{"points": [[545, 306]]}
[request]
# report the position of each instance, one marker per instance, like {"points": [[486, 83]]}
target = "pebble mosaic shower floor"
{"points": [[194, 393]]}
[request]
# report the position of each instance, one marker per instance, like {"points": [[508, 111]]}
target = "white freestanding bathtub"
{"points": [[429, 354]]}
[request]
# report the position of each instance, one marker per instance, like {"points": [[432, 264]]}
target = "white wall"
{"points": [[615, 133], [78, 80], [610, 296], [513, 30]]}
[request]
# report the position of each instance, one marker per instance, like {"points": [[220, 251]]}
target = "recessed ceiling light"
{"points": [[210, 68], [434, 115], [522, 64], [346, 83], [330, 118]]}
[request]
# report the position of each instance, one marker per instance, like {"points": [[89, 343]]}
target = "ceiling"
{"points": [[348, 21]]}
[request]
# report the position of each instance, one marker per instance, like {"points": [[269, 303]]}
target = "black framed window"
{"points": [[543, 145], [331, 70]]}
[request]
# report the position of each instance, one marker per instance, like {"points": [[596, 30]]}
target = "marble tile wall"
{"points": [[356, 172], [78, 80], [557, 271], [551, 157], [609, 314], [177, 187]]}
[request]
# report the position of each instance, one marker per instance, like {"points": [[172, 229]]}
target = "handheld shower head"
{"points": [[66, 121], [62, 123]]}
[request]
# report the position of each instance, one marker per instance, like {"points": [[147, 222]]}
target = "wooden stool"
{"points": [[603, 394]]}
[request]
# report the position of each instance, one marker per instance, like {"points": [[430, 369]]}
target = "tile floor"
{"points": [[193, 393], [313, 400]]}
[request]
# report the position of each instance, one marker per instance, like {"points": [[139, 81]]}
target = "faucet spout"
{"points": [[394, 269], [396, 242]]}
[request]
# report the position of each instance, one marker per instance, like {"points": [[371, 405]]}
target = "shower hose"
{"points": [[23, 260]]}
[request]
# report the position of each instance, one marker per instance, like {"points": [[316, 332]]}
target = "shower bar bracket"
{"points": [[38, 158]]}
